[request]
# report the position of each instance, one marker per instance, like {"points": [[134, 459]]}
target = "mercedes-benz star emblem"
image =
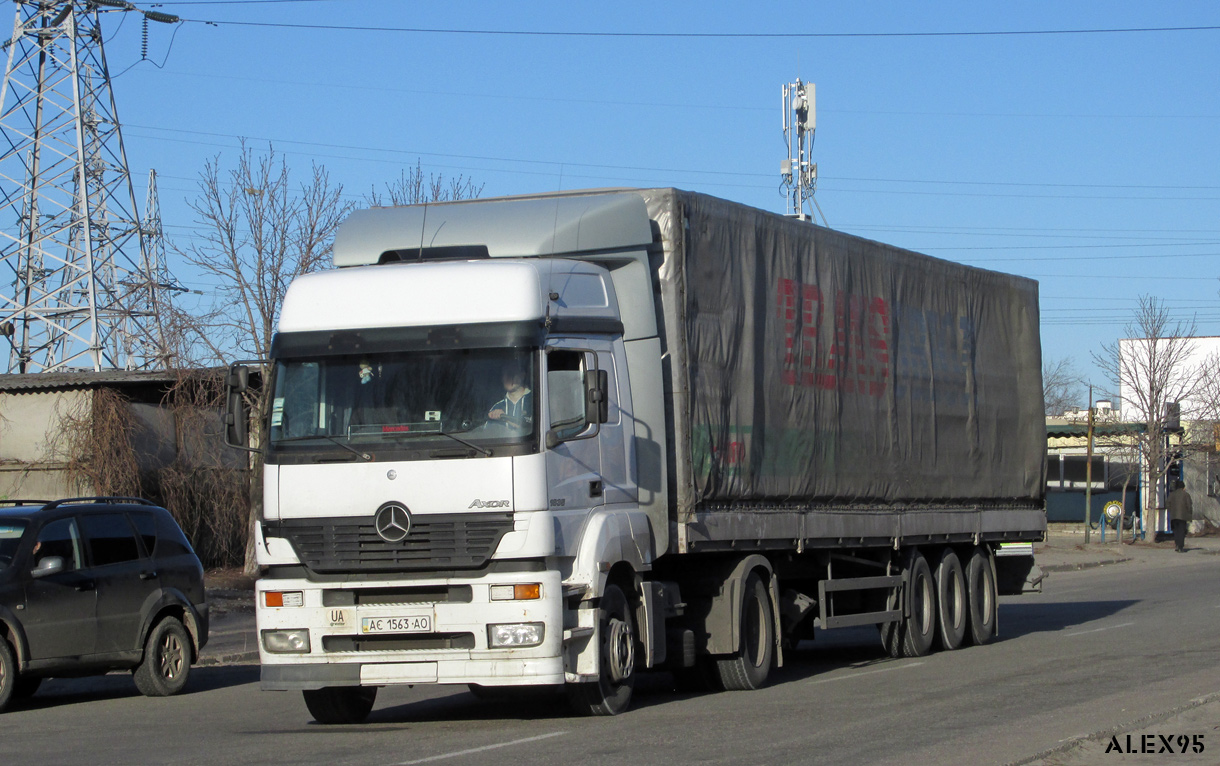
{"points": [[393, 522]]}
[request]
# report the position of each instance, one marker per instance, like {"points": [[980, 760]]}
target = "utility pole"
{"points": [[799, 173], [77, 289], [1088, 477]]}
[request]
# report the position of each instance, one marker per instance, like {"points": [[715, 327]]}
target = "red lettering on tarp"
{"points": [[856, 359], [394, 429]]}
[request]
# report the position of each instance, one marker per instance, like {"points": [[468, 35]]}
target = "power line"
{"points": [[703, 35], [723, 173], [687, 106]]}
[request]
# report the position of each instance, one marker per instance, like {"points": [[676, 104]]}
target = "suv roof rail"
{"points": [[17, 501], [98, 499]]}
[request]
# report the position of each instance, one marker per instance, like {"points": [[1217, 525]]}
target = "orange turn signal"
{"points": [[273, 598], [523, 592]]}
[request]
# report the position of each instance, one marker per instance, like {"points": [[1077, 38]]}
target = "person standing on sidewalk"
{"points": [[1181, 511]]}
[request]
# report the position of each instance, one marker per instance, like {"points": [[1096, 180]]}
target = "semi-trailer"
{"points": [[563, 439]]}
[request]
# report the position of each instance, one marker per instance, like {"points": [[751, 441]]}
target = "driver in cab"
{"points": [[517, 406]]}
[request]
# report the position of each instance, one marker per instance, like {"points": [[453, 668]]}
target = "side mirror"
{"points": [[237, 413], [48, 566], [597, 397], [238, 378]]}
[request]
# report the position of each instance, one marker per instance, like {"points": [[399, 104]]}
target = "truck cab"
{"points": [[453, 459]]}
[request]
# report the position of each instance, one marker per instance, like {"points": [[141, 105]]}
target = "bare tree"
{"points": [[411, 188], [1062, 386], [258, 232], [1150, 370]]}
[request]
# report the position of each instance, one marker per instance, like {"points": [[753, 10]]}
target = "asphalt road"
{"points": [[1118, 648]]}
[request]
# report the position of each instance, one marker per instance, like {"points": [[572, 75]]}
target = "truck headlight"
{"points": [[515, 634], [286, 641]]}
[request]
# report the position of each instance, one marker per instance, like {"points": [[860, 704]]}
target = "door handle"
{"points": [[595, 488], [148, 575], [84, 585]]}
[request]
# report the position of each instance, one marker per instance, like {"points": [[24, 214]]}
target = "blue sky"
{"points": [[1086, 161]]}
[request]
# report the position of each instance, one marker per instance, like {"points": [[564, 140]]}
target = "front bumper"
{"points": [[452, 650]]}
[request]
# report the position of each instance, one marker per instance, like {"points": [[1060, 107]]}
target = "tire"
{"points": [[167, 660], [8, 675], [611, 693], [340, 704], [26, 687], [919, 628], [891, 637], [981, 596], [891, 632], [749, 666], [952, 613]]}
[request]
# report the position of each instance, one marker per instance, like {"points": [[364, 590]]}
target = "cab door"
{"points": [[59, 616], [573, 463]]}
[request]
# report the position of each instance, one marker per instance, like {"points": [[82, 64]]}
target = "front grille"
{"points": [[398, 642], [428, 594], [450, 541]]}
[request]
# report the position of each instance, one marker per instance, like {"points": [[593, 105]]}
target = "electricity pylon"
{"points": [[78, 288]]}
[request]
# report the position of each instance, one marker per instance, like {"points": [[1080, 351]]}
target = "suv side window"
{"points": [[59, 538], [111, 539], [146, 527], [173, 541]]}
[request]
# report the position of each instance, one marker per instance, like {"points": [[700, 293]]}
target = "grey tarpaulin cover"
{"points": [[826, 368]]}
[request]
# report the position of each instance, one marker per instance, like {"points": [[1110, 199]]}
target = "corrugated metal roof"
{"points": [[117, 378]]}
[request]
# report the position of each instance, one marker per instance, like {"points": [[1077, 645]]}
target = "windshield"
{"points": [[10, 537], [406, 400]]}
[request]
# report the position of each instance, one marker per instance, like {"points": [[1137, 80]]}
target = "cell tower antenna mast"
{"points": [[799, 173], [78, 286]]}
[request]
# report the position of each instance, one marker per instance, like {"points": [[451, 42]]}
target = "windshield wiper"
{"points": [[327, 437], [348, 447], [485, 452]]}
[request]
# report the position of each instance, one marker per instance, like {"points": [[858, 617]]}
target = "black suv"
{"points": [[89, 585]]}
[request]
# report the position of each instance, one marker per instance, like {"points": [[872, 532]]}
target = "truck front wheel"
{"points": [[749, 667], [340, 704], [610, 694]]}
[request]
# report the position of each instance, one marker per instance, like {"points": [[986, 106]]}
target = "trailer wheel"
{"points": [[610, 694], [919, 628], [982, 596], [340, 704], [749, 666], [951, 609]]}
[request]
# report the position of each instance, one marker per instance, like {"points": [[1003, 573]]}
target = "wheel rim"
{"points": [[957, 598], [920, 610], [620, 650], [171, 657]]}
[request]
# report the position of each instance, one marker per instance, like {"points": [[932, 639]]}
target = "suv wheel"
{"points": [[8, 674], [167, 660]]}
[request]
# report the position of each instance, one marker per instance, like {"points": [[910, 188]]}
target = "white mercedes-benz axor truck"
{"points": [[560, 440]]}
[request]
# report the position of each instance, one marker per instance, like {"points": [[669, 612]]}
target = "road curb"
{"points": [[1082, 565], [236, 658], [1125, 728]]}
